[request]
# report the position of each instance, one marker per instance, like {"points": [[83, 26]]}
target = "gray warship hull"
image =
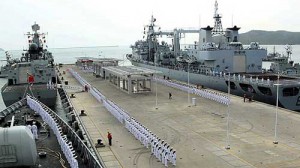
{"points": [[12, 94], [260, 90]]}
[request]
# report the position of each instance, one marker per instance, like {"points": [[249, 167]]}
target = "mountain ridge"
{"points": [[279, 37]]}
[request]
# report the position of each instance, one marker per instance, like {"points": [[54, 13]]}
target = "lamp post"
{"points": [[123, 59], [155, 82], [189, 83], [155, 60], [227, 139], [276, 118]]}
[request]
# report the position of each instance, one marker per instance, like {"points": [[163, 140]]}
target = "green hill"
{"points": [[280, 37]]}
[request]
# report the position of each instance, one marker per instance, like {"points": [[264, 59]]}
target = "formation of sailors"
{"points": [[117, 114], [65, 145], [82, 81], [218, 97], [99, 96], [159, 148]]}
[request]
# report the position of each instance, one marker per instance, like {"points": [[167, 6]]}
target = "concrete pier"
{"points": [[198, 133]]}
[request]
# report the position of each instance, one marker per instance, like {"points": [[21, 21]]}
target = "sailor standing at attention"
{"points": [[163, 156], [166, 158], [29, 127], [174, 157], [34, 130]]}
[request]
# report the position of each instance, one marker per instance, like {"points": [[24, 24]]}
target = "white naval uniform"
{"points": [[34, 131], [29, 127]]}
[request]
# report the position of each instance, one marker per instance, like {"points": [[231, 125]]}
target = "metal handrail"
{"points": [[99, 165], [84, 128]]}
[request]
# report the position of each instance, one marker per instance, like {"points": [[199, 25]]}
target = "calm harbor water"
{"points": [[69, 55]]}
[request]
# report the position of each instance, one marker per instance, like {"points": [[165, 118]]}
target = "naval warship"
{"points": [[34, 73], [9, 61], [217, 61], [283, 63]]}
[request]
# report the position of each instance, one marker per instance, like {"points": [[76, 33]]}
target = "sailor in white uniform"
{"points": [[163, 156], [166, 158], [173, 157], [34, 130], [29, 127]]}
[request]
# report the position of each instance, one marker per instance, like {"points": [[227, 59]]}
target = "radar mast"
{"points": [[218, 29]]}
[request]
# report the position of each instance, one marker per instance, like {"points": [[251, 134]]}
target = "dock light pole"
{"points": [[228, 143], [123, 59], [276, 118], [189, 83], [155, 81]]}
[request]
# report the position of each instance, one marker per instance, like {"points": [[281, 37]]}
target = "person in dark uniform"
{"points": [[109, 137], [170, 95]]}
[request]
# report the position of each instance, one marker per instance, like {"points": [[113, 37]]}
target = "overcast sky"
{"points": [[80, 23]]}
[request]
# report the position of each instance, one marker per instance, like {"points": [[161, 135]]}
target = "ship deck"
{"points": [[198, 133], [22, 87], [49, 144]]}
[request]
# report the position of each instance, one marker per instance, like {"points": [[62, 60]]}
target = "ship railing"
{"points": [[60, 128], [233, 77], [120, 114], [3, 88], [69, 106], [263, 82], [12, 108]]}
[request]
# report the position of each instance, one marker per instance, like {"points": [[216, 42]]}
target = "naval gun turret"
{"points": [[17, 147]]}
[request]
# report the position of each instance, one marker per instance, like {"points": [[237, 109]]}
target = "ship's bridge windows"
{"points": [[235, 39], [232, 85], [265, 90], [247, 88], [292, 91]]}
